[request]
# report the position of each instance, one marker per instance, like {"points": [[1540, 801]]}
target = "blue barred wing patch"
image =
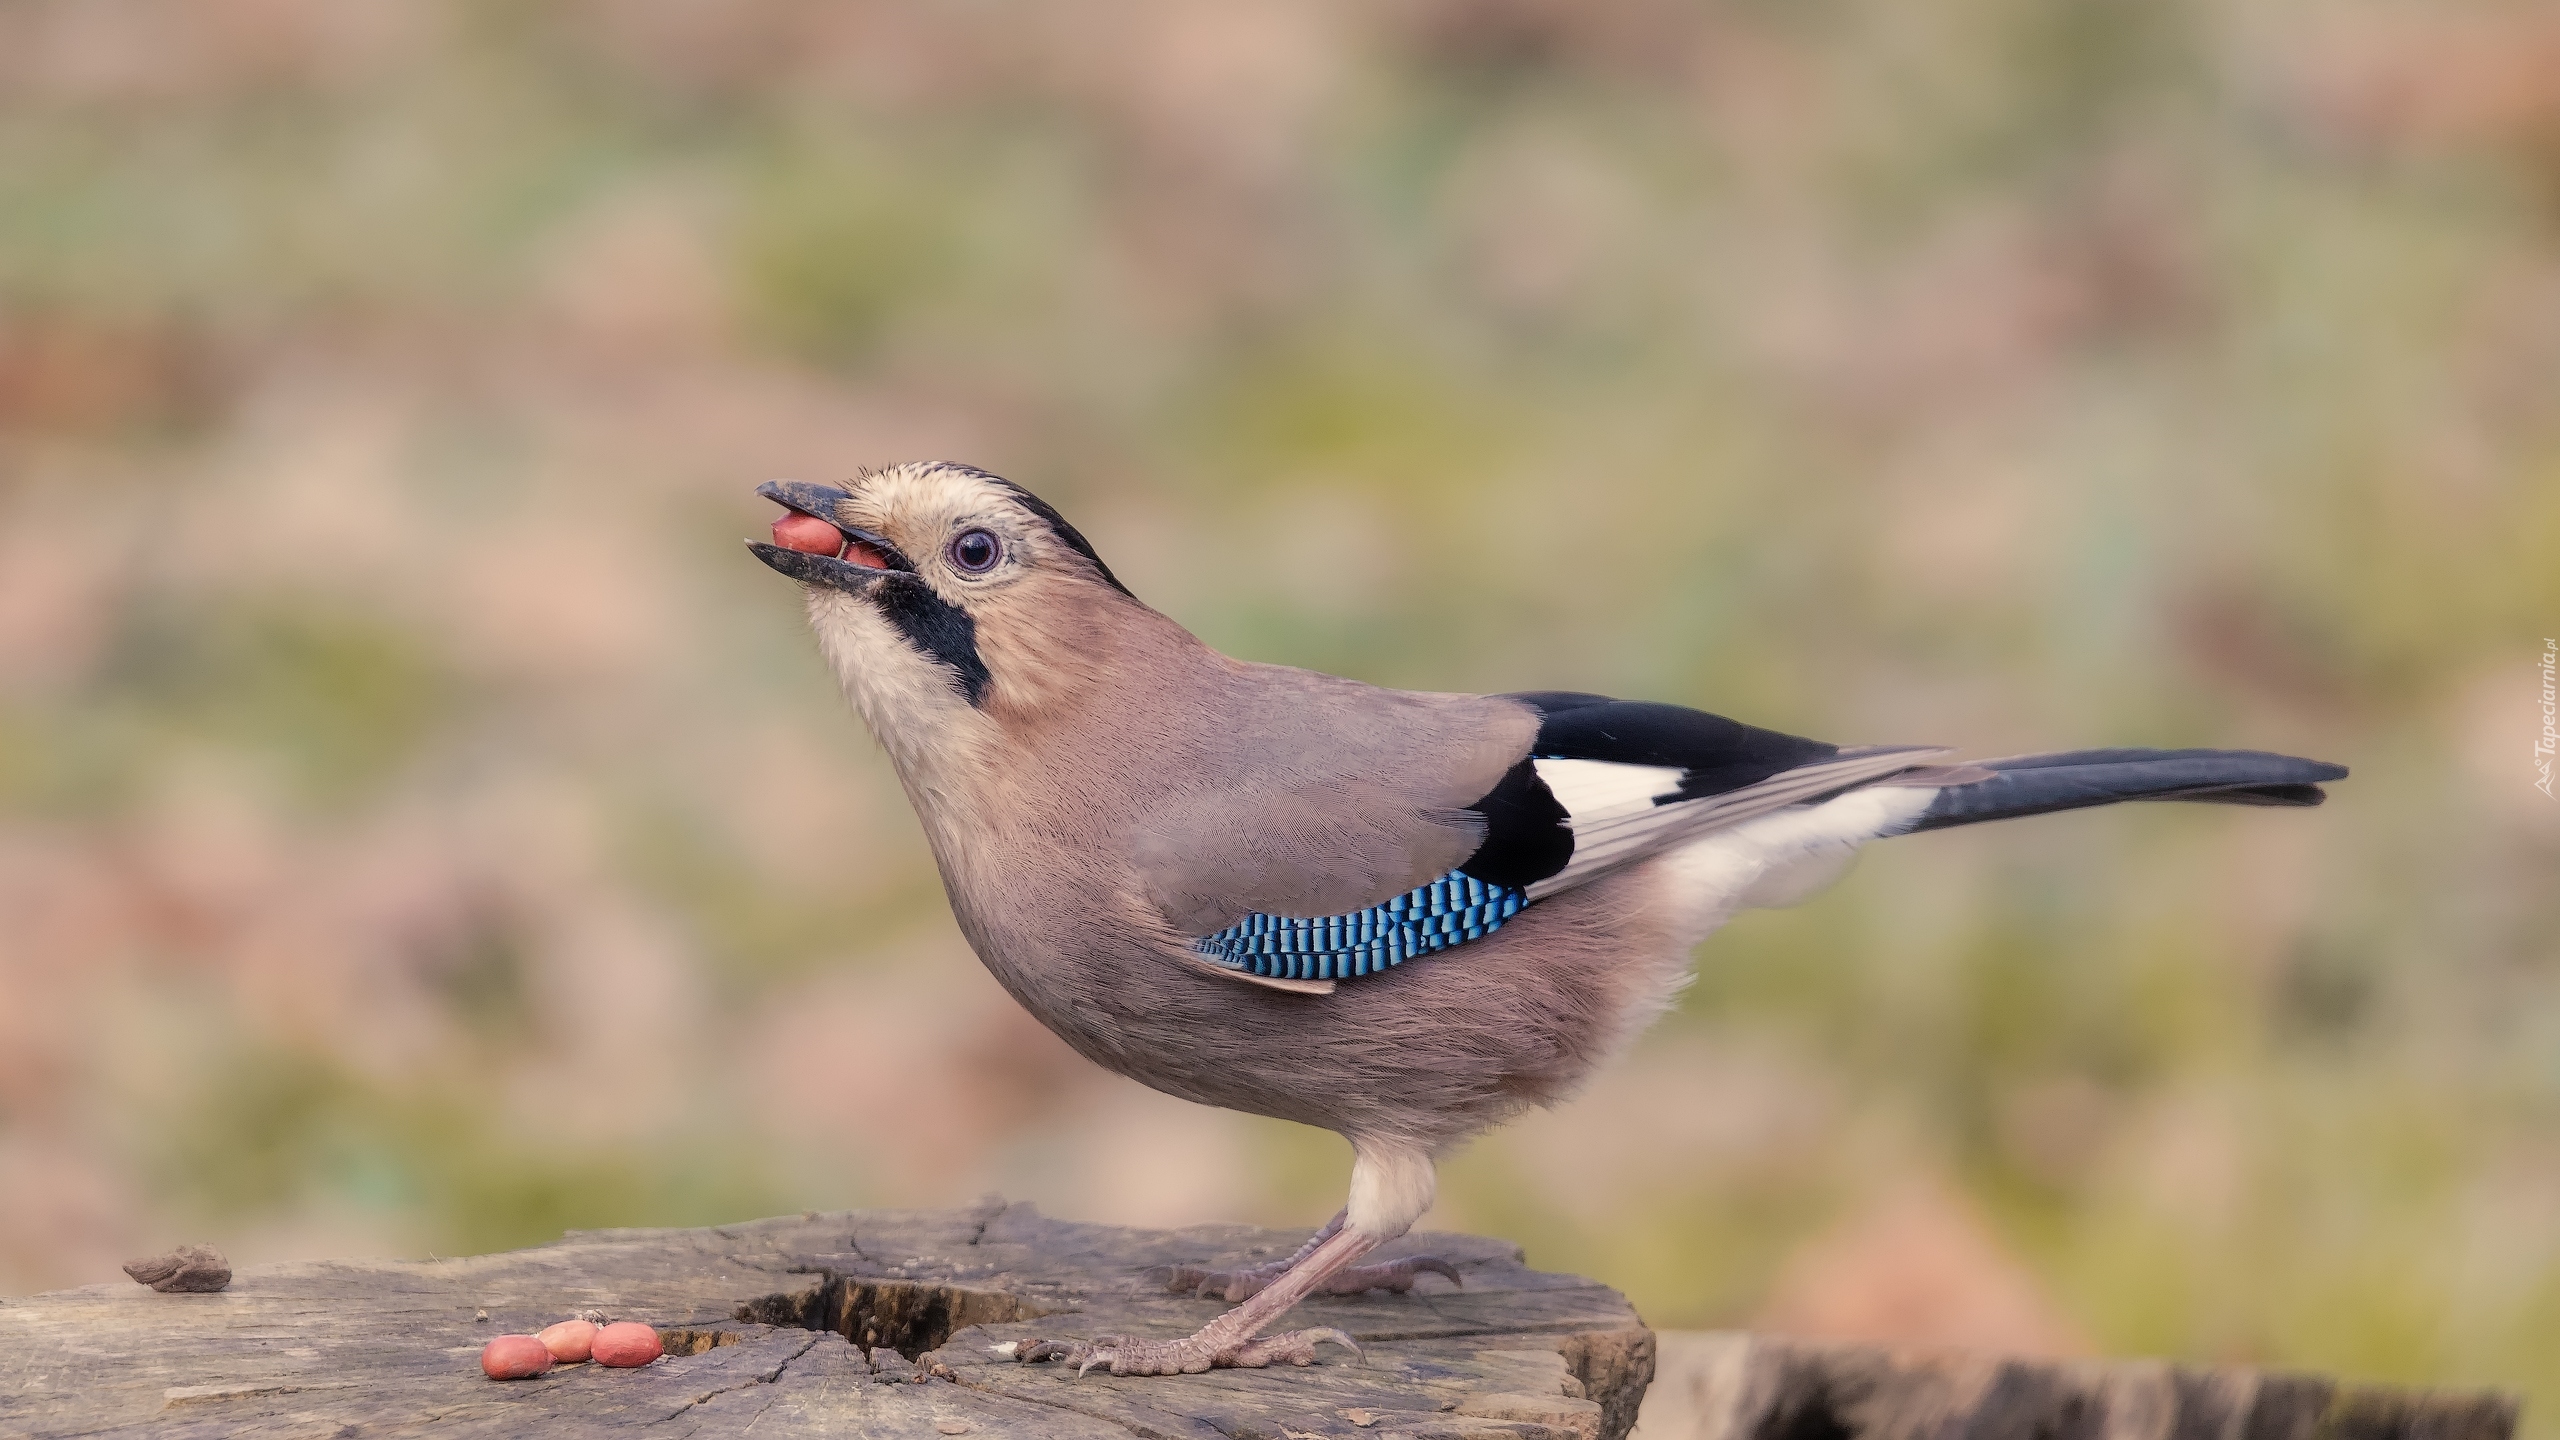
{"points": [[1448, 911]]}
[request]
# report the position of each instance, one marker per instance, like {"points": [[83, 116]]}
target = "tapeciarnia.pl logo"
{"points": [[2549, 741]]}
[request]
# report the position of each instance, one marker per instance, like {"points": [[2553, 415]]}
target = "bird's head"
{"points": [[952, 604]]}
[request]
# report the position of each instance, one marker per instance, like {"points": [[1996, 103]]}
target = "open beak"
{"points": [[860, 558]]}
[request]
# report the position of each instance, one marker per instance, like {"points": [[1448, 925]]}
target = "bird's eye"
{"points": [[976, 551]]}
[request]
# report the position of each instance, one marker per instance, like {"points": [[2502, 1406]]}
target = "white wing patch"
{"points": [[1615, 821], [1588, 789]]}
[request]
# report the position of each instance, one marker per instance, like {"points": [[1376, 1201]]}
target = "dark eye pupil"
{"points": [[975, 550]]}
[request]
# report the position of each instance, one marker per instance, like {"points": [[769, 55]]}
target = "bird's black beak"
{"points": [[860, 558]]}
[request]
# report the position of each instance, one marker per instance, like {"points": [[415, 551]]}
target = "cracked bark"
{"points": [[767, 1378]]}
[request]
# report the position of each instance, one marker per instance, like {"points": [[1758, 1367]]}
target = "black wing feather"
{"points": [[1527, 838], [1718, 754]]}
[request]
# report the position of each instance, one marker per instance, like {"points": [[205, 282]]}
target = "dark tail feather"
{"points": [[2036, 784]]}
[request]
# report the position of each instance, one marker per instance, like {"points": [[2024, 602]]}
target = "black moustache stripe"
{"points": [[942, 630]]}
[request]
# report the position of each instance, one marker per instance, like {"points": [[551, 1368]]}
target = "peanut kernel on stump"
{"points": [[514, 1357], [570, 1341], [626, 1344]]}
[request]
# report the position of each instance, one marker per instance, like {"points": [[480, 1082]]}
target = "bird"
{"points": [[1401, 916]]}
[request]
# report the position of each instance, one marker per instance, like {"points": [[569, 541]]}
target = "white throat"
{"points": [[938, 740]]}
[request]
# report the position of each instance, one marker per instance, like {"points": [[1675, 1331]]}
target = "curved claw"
{"points": [[1338, 1338], [1298, 1347]]}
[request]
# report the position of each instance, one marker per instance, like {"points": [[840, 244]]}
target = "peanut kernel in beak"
{"points": [[807, 534], [869, 557]]}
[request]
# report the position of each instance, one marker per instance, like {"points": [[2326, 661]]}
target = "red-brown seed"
{"points": [[808, 534], [514, 1357], [625, 1344], [570, 1341]]}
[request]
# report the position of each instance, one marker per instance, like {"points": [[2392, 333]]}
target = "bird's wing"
{"points": [[1305, 795], [1605, 783], [1625, 779], [1632, 779]]}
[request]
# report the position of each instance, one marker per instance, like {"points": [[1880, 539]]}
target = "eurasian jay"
{"points": [[1399, 916]]}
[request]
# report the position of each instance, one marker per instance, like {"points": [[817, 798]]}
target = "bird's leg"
{"points": [[1229, 1339], [1391, 1185], [1247, 1281], [1393, 1276]]}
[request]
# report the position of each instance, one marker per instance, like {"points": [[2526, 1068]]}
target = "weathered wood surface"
{"points": [[1756, 1387], [386, 1348], [768, 1326]]}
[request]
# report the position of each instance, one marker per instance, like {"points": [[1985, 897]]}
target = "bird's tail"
{"points": [[2036, 784]]}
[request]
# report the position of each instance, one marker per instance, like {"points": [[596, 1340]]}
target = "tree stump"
{"points": [[1763, 1387], [820, 1324], [869, 1324]]}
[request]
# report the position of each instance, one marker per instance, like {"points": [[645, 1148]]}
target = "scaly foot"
{"points": [[1394, 1276], [1129, 1355], [1228, 1340]]}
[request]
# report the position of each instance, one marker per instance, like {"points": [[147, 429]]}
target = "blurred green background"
{"points": [[423, 827]]}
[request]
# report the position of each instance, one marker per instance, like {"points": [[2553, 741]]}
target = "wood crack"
{"points": [[768, 1377]]}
